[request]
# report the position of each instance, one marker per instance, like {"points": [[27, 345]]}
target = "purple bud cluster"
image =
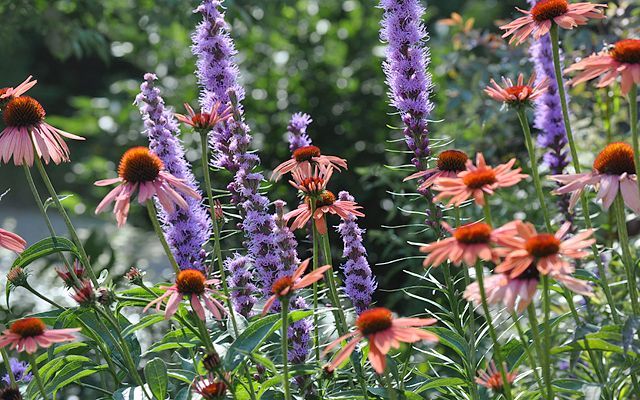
{"points": [[297, 131], [240, 284]]}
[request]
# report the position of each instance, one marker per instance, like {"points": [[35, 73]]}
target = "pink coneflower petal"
{"points": [[12, 242]]}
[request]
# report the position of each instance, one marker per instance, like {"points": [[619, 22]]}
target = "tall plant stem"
{"points": [[527, 350], [633, 121], [535, 333], [546, 366], [7, 365], [390, 390], [627, 260], [36, 375], [284, 305], [153, 216], [316, 262], [63, 213]]}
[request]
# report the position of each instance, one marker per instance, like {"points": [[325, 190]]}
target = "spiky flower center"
{"points": [[28, 327], [374, 321], [542, 245], [479, 178], [190, 281], [476, 233], [10, 393], [214, 390], [627, 51], [306, 153], [139, 165], [615, 159], [23, 111], [452, 161], [549, 9], [522, 92], [494, 382], [311, 184], [281, 285], [325, 198]]}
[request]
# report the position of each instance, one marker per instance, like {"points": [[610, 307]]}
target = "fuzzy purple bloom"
{"points": [[18, 368], [360, 284], [186, 230], [240, 284], [297, 131]]}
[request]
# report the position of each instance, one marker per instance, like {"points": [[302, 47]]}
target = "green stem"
{"points": [[153, 216], [389, 386], [627, 260], [633, 121], [546, 366], [43, 297], [36, 374], [284, 305], [316, 263], [487, 212], [204, 334], [533, 321], [7, 366], [527, 350]]}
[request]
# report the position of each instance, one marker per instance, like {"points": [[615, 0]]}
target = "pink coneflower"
{"points": [[539, 19], [309, 180], [469, 243], [205, 121], [10, 92], [142, 170], [68, 278], [492, 379], [623, 60], [383, 332], [28, 334], [518, 93], [286, 285], [477, 181], [449, 164], [325, 203], [547, 252], [613, 172], [307, 155], [25, 128], [192, 284], [11, 241], [209, 387], [84, 294]]}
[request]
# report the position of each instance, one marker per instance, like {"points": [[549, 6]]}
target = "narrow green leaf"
{"points": [[43, 248]]}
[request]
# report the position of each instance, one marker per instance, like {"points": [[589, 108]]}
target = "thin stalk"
{"points": [[36, 374], [389, 386], [7, 366], [204, 335], [546, 366], [316, 263], [284, 305], [633, 121], [533, 321], [153, 216], [43, 297], [527, 350], [627, 260]]}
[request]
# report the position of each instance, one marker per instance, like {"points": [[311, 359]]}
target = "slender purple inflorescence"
{"points": [[297, 131], [18, 368], [186, 230], [240, 284], [360, 284]]}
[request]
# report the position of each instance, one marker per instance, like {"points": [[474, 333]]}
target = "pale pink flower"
{"points": [[622, 60], [141, 170], [192, 284], [518, 93], [539, 19], [311, 180], [11, 241], [326, 203], [26, 129], [613, 172], [286, 285], [492, 379], [205, 121], [449, 164], [28, 334], [477, 180], [383, 332], [10, 92], [306, 155]]}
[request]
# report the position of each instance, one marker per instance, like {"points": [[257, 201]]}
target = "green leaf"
{"points": [[43, 248], [144, 322], [382, 392], [49, 202], [452, 340], [439, 382], [155, 373]]}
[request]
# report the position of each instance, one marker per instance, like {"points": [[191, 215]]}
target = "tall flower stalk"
{"points": [[297, 131]]}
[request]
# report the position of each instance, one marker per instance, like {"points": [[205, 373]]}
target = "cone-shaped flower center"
{"points": [[214, 390], [627, 51], [549, 9], [202, 121], [542, 245], [520, 91], [452, 161], [475, 233], [311, 184], [28, 327], [190, 281], [305, 153], [10, 393], [374, 320], [326, 198], [23, 111], [480, 177], [281, 285], [615, 159], [495, 382], [139, 165]]}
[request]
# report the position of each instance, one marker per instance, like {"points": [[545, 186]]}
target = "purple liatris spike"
{"points": [[240, 284], [297, 131], [186, 230], [18, 368], [359, 281]]}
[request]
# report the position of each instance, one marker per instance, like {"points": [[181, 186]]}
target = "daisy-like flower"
{"points": [[492, 379], [539, 19], [209, 387], [192, 284], [307, 155], [518, 93], [467, 243], [477, 180], [11, 241], [205, 121], [448, 165], [383, 332], [547, 252], [28, 334], [621, 60], [143, 171], [10, 92], [311, 180], [26, 129], [286, 285], [325, 203], [613, 172]]}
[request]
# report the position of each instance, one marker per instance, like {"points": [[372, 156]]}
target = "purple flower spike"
{"points": [[240, 283], [297, 131]]}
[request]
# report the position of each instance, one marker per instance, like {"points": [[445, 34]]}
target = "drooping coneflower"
{"points": [[240, 282], [448, 165], [518, 93], [492, 379], [360, 284], [142, 171], [84, 294], [620, 60], [26, 130], [12, 92], [304, 156], [545, 13], [205, 121], [68, 278], [297, 131], [186, 229], [28, 334], [383, 332], [613, 172], [11, 241]]}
